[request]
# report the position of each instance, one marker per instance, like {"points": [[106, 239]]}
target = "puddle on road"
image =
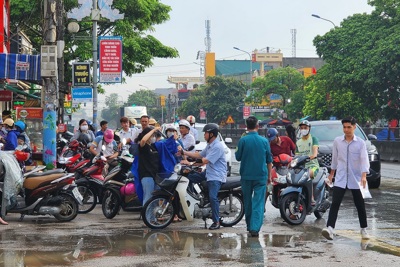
{"points": [[37, 250]]}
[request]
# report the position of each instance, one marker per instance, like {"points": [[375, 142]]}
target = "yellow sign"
{"points": [[230, 120], [67, 104]]}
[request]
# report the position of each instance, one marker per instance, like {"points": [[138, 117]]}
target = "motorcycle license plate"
{"points": [[77, 194]]}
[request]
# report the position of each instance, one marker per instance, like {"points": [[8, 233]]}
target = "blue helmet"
{"points": [[272, 134], [21, 125]]}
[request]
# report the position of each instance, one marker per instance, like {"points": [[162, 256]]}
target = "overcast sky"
{"points": [[248, 25]]}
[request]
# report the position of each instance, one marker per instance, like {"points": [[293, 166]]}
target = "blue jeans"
{"points": [[213, 189], [148, 186]]}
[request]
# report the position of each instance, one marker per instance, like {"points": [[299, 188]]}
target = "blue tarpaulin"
{"points": [[20, 67]]}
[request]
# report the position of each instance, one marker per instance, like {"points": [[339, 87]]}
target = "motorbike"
{"points": [[173, 197], [295, 199], [278, 175], [49, 193], [71, 150], [119, 189]]}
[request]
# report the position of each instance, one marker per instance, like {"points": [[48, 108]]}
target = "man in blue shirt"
{"points": [[254, 153], [214, 156], [103, 128], [351, 164]]}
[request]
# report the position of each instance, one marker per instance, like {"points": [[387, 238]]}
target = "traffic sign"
{"points": [[230, 120]]}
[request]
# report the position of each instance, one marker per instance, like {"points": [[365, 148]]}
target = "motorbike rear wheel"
{"points": [[111, 204], [69, 208], [152, 212], [235, 213], [89, 199], [292, 213]]}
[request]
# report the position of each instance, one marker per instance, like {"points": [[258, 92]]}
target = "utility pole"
{"points": [[95, 18], [60, 59], [50, 83]]}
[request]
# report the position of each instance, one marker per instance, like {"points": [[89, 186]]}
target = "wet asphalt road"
{"points": [[92, 240]]}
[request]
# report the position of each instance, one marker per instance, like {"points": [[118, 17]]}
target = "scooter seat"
{"points": [[231, 182], [35, 182], [39, 174]]}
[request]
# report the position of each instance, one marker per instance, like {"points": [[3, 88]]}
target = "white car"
{"points": [[202, 144]]}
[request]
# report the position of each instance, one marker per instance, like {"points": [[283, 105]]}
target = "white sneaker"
{"points": [[327, 233], [364, 234]]}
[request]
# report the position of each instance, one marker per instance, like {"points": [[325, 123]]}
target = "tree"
{"points": [[281, 81], [112, 112], [139, 47], [219, 97], [363, 57], [143, 98]]}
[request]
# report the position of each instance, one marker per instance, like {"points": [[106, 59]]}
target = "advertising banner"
{"points": [[82, 95], [110, 56], [81, 74]]}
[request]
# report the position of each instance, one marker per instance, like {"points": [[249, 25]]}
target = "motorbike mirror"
{"points": [[190, 148], [124, 141]]}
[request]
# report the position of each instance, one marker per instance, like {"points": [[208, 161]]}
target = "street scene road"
{"points": [[93, 240]]}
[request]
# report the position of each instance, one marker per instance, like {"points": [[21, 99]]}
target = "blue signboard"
{"points": [[82, 95]]}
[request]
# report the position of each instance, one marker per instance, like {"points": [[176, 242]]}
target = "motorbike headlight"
{"points": [[177, 168], [293, 163], [289, 178]]}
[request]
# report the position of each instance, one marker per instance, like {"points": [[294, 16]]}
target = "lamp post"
{"points": [[251, 65], [318, 17]]}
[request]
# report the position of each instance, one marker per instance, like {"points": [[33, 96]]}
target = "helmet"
{"points": [[152, 121], [272, 134], [108, 135], [21, 156], [184, 122], [21, 125], [170, 126], [9, 122], [133, 121], [211, 128], [128, 189], [305, 122], [191, 119]]}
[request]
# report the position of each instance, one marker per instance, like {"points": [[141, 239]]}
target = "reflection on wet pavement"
{"points": [[220, 247]]}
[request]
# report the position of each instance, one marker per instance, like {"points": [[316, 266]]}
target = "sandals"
{"points": [[177, 219], [3, 222]]}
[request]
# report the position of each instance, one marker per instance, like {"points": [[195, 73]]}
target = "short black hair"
{"points": [[251, 122], [22, 137], [350, 119], [103, 122]]}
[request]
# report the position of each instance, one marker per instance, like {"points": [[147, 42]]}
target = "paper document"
{"points": [[365, 191]]}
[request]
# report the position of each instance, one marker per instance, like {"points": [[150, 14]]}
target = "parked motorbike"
{"points": [[90, 182], [174, 198], [119, 190], [72, 149], [295, 199], [49, 193]]}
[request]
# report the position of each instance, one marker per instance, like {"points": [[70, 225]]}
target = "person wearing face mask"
{"points": [[170, 131], [186, 137], [308, 145], [83, 134], [12, 135], [148, 160]]}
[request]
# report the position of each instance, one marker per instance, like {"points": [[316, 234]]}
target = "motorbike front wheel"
{"points": [[89, 199], [231, 212], [111, 204], [69, 208], [158, 212], [291, 212]]}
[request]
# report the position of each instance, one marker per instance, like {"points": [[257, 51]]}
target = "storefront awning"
{"points": [[19, 91]]}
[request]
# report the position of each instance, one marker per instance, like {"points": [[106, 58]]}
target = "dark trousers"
{"points": [[337, 197]]}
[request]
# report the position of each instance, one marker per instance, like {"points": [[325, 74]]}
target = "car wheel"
{"points": [[375, 183]]}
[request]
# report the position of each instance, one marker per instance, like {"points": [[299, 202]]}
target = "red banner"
{"points": [[5, 95], [110, 56], [246, 112]]}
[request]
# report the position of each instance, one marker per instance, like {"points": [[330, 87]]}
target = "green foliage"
{"points": [[219, 97], [112, 112], [364, 62], [143, 98], [139, 47]]}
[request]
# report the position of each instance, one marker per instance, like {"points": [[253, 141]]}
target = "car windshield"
{"points": [[328, 132]]}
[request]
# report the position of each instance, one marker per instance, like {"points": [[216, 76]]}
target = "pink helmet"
{"points": [[128, 189], [108, 135]]}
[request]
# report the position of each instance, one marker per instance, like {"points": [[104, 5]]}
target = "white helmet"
{"points": [[169, 127], [191, 119], [184, 123]]}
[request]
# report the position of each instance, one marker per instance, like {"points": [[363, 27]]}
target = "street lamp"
{"points": [[251, 65], [318, 17]]}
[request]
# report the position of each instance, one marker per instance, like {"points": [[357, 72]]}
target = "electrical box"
{"points": [[48, 61]]}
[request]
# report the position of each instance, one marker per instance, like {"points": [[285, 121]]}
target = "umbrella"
{"points": [[282, 122]]}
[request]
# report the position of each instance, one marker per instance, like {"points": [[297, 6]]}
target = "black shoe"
{"points": [[214, 226], [254, 234]]}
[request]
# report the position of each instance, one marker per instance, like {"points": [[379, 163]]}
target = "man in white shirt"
{"points": [[192, 120], [128, 133], [186, 138]]}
